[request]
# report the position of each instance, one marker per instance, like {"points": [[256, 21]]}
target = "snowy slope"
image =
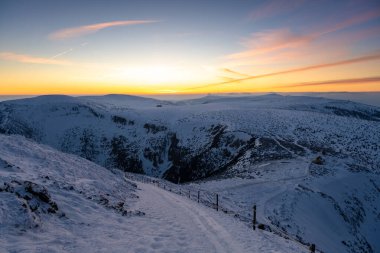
{"points": [[330, 205], [54, 202]]}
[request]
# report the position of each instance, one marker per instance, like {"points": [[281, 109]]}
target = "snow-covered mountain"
{"points": [[56, 202], [196, 138], [298, 153]]}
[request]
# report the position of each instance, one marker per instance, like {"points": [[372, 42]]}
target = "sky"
{"points": [[188, 47]]}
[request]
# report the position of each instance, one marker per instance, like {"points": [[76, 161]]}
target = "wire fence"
{"points": [[223, 204]]}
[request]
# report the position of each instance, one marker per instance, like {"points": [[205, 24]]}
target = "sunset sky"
{"points": [[174, 46]]}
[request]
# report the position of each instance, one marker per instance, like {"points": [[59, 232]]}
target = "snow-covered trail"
{"points": [[191, 228], [176, 224]]}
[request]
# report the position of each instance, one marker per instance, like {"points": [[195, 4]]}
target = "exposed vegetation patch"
{"points": [[152, 128], [122, 121]]}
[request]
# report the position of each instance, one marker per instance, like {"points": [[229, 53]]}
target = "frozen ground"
{"points": [[55, 202], [254, 149]]}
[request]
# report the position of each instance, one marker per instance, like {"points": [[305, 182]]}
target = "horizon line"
{"points": [[181, 94]]}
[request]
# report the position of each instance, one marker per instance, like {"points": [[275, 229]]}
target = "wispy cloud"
{"points": [[354, 20], [62, 53], [235, 73], [231, 76], [268, 41], [366, 58], [319, 66], [9, 56], [87, 29], [68, 50], [374, 79]]}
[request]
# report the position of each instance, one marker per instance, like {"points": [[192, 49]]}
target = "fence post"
{"points": [[198, 196], [180, 192], [312, 248], [189, 195], [217, 202], [254, 218], [164, 187]]}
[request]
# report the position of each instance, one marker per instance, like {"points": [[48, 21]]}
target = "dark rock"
{"points": [[318, 160], [38, 191]]}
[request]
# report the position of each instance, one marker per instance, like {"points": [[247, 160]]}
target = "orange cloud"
{"points": [[301, 69], [339, 81], [83, 30], [319, 66], [274, 40], [235, 73], [9, 56], [358, 19], [305, 53], [271, 40]]}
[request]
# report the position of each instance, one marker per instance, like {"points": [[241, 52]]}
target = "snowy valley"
{"points": [[310, 164]]}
